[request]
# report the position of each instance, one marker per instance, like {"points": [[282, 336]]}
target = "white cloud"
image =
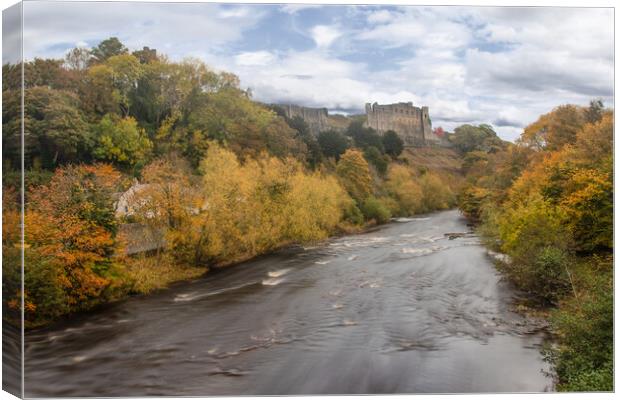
{"points": [[324, 35], [379, 17], [177, 28], [503, 66], [256, 58], [295, 8]]}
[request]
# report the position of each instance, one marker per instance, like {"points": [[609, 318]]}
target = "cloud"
{"points": [[379, 17], [256, 58], [324, 35], [499, 65], [295, 8], [175, 28]]}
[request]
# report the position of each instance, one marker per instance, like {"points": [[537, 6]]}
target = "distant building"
{"points": [[125, 205], [316, 118], [412, 124]]}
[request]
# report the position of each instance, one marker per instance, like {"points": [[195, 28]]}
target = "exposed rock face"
{"points": [[411, 123], [316, 118]]}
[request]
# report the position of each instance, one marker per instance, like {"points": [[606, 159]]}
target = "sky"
{"points": [[494, 65]]}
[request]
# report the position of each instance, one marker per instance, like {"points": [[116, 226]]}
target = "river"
{"points": [[399, 309]]}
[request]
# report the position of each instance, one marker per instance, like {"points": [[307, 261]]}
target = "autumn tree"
{"points": [[70, 236], [354, 174], [555, 129]]}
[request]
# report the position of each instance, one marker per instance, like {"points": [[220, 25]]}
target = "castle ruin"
{"points": [[411, 123], [316, 118]]}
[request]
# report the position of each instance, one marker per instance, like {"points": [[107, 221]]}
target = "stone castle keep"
{"points": [[412, 124]]}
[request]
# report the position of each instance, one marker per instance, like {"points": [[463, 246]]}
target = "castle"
{"points": [[412, 124], [316, 118]]}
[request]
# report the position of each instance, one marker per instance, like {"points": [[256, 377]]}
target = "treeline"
{"points": [[222, 177], [547, 202]]}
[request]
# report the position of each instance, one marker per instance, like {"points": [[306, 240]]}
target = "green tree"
{"points": [[378, 160], [106, 49], [363, 136], [468, 138], [333, 144], [392, 143], [315, 155], [55, 130], [121, 141]]}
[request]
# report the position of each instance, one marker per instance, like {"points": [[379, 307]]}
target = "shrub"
{"points": [[354, 174], [401, 186], [436, 195], [583, 325], [375, 209]]}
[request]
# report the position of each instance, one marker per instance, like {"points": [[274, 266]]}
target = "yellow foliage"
{"points": [[239, 210], [354, 174], [401, 185]]}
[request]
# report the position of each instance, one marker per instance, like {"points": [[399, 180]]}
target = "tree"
{"points": [[111, 84], [401, 185], [146, 55], [55, 130], [468, 138], [315, 155], [78, 58], [378, 160], [363, 136], [106, 49], [354, 174], [332, 143], [594, 113], [70, 233], [392, 143], [555, 129], [121, 140]]}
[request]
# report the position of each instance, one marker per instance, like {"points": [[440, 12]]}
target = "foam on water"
{"points": [[197, 295], [272, 281], [278, 273]]}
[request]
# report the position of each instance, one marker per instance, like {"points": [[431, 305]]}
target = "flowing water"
{"points": [[401, 309]]}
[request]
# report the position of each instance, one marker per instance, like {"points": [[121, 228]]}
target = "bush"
{"points": [[401, 186], [584, 328], [375, 209], [378, 160], [392, 143], [353, 215], [548, 275], [436, 195]]}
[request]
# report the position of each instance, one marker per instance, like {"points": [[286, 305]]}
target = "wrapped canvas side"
{"points": [[12, 201]]}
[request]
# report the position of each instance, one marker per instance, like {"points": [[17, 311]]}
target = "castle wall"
{"points": [[316, 118], [411, 123]]}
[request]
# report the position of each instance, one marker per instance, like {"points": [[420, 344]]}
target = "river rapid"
{"points": [[400, 309]]}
